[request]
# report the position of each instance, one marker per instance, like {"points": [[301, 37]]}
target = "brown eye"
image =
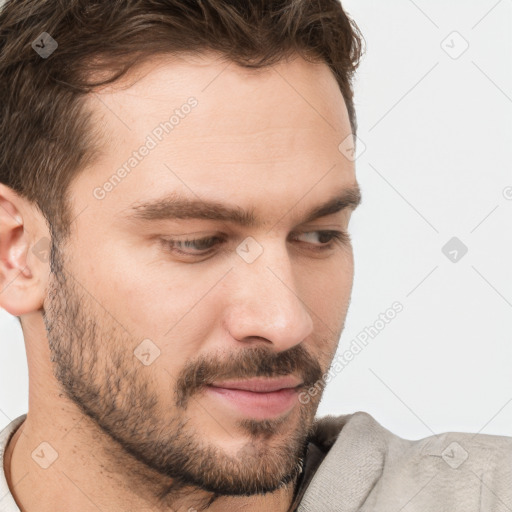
{"points": [[330, 238], [203, 245]]}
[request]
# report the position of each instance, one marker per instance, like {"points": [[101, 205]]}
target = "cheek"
{"points": [[329, 288], [158, 302]]}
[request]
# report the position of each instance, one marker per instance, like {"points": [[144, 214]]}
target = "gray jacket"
{"points": [[361, 466]]}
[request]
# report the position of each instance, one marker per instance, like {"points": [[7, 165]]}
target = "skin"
{"points": [[124, 439]]}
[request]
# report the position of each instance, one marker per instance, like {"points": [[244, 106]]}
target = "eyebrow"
{"points": [[175, 206]]}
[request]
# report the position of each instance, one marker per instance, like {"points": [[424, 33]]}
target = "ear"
{"points": [[24, 254]]}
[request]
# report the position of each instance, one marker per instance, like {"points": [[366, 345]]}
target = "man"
{"points": [[174, 211]]}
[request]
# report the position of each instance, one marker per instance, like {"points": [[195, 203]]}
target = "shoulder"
{"points": [[377, 470], [447, 445], [7, 502], [8, 431]]}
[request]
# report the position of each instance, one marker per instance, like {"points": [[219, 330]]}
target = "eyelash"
{"points": [[336, 236]]}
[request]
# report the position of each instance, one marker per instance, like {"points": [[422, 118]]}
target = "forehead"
{"points": [[271, 131], [233, 101]]}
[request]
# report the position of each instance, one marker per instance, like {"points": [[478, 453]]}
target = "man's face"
{"points": [[138, 330]]}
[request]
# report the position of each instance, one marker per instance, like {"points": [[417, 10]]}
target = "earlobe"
{"points": [[21, 276]]}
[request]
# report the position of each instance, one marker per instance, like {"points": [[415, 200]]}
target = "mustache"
{"points": [[249, 363]]}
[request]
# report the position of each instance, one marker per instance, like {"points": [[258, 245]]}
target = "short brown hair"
{"points": [[47, 135]]}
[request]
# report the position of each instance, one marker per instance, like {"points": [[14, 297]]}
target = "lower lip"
{"points": [[257, 405]]}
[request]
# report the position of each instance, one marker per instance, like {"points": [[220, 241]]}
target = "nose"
{"points": [[266, 302]]}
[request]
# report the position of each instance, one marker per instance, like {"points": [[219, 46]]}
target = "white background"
{"points": [[436, 133]]}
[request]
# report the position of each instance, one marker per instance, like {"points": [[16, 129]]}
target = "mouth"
{"points": [[257, 398]]}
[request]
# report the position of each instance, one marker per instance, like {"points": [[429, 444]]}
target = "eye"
{"points": [[203, 246], [330, 238]]}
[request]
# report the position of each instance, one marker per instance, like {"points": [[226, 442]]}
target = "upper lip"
{"points": [[259, 385]]}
